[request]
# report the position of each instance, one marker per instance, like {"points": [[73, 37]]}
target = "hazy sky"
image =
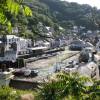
{"points": [[93, 3]]}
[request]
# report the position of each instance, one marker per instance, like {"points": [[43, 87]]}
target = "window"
{"points": [[9, 40], [2, 51], [17, 39], [13, 40]]}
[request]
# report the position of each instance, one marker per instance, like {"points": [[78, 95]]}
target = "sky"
{"points": [[93, 3]]}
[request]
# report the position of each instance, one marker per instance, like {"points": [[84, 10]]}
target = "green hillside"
{"points": [[73, 13], [55, 13]]}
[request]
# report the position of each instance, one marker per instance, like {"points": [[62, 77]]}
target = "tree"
{"points": [[12, 7], [84, 57], [94, 91], [67, 85], [94, 17]]}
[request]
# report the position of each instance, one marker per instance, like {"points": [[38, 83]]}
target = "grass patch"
{"points": [[7, 93]]}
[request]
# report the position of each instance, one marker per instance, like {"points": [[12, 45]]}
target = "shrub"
{"points": [[84, 57], [7, 93]]}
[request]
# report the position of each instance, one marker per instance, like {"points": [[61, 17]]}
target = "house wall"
{"points": [[10, 53], [9, 56]]}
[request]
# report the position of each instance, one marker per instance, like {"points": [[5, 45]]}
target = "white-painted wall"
{"points": [[9, 56]]}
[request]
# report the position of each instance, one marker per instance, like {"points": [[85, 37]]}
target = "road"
{"points": [[47, 67]]}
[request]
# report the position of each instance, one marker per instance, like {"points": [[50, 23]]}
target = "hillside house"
{"points": [[12, 46]]}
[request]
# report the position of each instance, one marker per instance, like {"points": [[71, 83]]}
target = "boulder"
{"points": [[27, 97]]}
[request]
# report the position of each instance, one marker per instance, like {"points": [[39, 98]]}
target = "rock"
{"points": [[27, 97]]}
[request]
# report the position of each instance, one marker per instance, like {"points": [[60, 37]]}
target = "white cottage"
{"points": [[12, 47]]}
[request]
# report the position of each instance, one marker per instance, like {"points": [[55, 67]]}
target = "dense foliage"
{"points": [[7, 93], [65, 13], [62, 86], [52, 13], [9, 8], [70, 86], [41, 14], [55, 13]]}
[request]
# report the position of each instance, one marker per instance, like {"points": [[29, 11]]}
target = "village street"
{"points": [[48, 66]]}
